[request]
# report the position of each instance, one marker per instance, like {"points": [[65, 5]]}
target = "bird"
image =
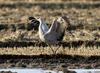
{"points": [[55, 33], [33, 23]]}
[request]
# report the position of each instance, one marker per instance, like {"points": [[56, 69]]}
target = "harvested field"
{"points": [[20, 45], [52, 62]]}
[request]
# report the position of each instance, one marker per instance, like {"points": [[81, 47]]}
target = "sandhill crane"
{"points": [[55, 33], [33, 23]]}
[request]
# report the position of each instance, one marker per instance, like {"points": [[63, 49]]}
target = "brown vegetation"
{"points": [[82, 38], [84, 17], [7, 72]]}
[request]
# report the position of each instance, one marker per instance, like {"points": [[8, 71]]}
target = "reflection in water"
{"points": [[51, 71], [31, 71], [85, 70]]}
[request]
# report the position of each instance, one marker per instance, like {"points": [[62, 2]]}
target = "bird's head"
{"points": [[33, 23]]}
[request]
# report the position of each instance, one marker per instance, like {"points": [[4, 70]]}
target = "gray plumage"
{"points": [[55, 33]]}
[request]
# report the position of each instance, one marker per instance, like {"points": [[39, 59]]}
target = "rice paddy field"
{"points": [[20, 45]]}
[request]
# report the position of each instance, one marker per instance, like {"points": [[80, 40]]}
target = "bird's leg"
{"points": [[54, 52], [57, 46], [57, 49], [52, 49]]}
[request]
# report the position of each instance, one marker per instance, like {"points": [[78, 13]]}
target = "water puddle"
{"points": [[30, 71], [50, 71], [85, 70]]}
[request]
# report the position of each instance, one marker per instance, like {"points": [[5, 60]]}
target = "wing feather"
{"points": [[44, 26], [56, 31]]}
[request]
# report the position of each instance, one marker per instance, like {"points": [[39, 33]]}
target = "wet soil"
{"points": [[52, 62]]}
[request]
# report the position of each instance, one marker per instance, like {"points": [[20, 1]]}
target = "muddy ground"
{"points": [[58, 62]]}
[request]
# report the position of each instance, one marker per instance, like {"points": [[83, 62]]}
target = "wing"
{"points": [[56, 31], [45, 27]]}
